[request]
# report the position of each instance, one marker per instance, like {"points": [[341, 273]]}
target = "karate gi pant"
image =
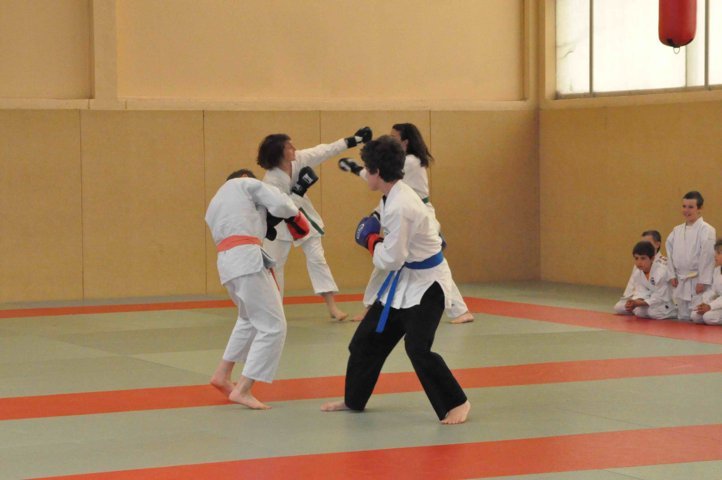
{"points": [[260, 331], [458, 306], [318, 270], [417, 325], [713, 317], [657, 312], [685, 308]]}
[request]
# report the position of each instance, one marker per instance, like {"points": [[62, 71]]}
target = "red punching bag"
{"points": [[677, 22]]}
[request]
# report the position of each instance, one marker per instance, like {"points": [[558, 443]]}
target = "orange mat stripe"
{"points": [[88, 403], [606, 321], [568, 316], [145, 307], [590, 451]]}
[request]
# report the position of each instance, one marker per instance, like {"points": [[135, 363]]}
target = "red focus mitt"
{"points": [[298, 226]]}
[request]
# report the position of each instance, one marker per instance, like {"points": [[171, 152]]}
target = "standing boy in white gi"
{"points": [[690, 251], [237, 218], [651, 295], [710, 310], [412, 300]]}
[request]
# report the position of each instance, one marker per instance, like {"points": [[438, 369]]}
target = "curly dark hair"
{"points": [[384, 156], [270, 151]]}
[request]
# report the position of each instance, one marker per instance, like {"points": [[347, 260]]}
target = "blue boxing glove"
{"points": [[368, 232]]}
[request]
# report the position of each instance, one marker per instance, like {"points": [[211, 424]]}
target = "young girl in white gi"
{"points": [[653, 237], [412, 300], [236, 217], [418, 160], [283, 163], [710, 310], [651, 293], [690, 248]]}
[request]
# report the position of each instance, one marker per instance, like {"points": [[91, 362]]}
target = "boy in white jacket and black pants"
{"points": [[412, 300]]}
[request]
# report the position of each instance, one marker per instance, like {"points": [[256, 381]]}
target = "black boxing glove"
{"points": [[306, 178], [362, 135]]}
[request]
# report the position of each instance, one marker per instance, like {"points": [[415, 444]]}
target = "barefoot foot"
{"points": [[457, 414], [360, 316], [247, 400], [223, 385], [334, 406], [338, 315], [463, 318]]}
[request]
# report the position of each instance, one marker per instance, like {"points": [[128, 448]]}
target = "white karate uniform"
{"points": [[416, 177], [318, 270], [410, 235], [712, 297], [691, 261], [239, 208], [629, 289], [656, 291]]}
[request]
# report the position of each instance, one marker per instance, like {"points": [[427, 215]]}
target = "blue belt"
{"points": [[393, 279]]}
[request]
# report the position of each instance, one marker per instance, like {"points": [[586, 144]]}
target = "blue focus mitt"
{"points": [[368, 232]]}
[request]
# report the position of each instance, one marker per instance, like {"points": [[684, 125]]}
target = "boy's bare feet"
{"points": [[463, 318], [223, 385], [337, 314], [457, 414], [360, 316], [336, 406], [248, 400]]}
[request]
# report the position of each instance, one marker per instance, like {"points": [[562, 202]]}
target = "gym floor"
{"points": [[560, 389]]}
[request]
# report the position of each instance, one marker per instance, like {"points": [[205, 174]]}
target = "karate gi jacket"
{"points": [[239, 208], [309, 157], [410, 235], [690, 251]]}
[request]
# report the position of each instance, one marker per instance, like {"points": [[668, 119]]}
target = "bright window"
{"points": [[613, 46]]}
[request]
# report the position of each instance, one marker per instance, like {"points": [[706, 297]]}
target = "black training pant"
{"points": [[418, 326]]}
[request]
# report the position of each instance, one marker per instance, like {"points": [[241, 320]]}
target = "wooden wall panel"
{"points": [[143, 203], [484, 188], [40, 206]]}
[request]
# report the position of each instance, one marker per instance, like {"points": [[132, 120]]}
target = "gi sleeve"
{"points": [[706, 257], [394, 250], [670, 256], [276, 202], [310, 157]]}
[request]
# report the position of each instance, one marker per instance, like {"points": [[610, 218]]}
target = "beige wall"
{"points": [[109, 157], [143, 203], [321, 50], [607, 174], [41, 250], [45, 49]]}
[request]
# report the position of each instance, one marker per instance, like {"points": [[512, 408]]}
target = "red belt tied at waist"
{"points": [[235, 240]]}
